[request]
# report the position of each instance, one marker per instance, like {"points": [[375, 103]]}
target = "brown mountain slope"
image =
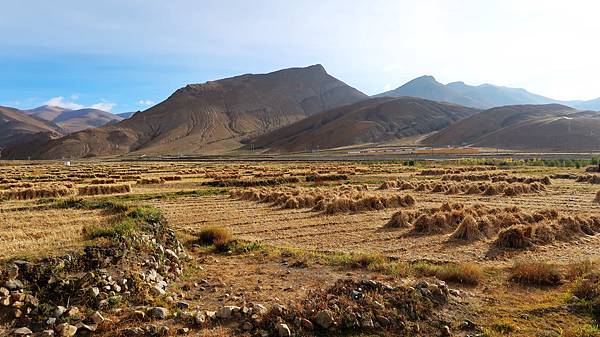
{"points": [[212, 117], [74, 120], [469, 130], [374, 120], [17, 127], [574, 132]]}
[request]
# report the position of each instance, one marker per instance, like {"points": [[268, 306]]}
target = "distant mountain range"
{"points": [[483, 96], [213, 117], [301, 109], [73, 120], [17, 128]]}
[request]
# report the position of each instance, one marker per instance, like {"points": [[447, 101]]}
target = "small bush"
{"points": [[536, 274], [215, 236], [580, 268]]}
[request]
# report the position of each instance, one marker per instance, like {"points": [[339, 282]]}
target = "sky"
{"points": [[127, 55]]}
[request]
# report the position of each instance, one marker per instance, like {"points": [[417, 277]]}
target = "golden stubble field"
{"points": [[520, 214]]}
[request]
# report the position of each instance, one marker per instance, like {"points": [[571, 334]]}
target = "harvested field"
{"points": [[296, 234]]}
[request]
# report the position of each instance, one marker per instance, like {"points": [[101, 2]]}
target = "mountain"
{"points": [[551, 127], [19, 128], [212, 117], [484, 96], [74, 120], [126, 115], [371, 121]]}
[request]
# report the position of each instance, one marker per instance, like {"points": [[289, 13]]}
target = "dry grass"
{"points": [[465, 273], [535, 274], [37, 232]]}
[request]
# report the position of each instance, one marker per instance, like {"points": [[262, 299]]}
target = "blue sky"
{"points": [[127, 55]]}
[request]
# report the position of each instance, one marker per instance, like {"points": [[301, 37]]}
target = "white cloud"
{"points": [[106, 106], [74, 97], [60, 101], [387, 87], [146, 102]]}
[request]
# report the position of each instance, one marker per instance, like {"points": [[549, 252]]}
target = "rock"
{"points": [[183, 331], [47, 333], [14, 284], [278, 309], [158, 313], [306, 324], [86, 327], [283, 330], [4, 292], [97, 318], [446, 331], [157, 291], [455, 292], [66, 330], [73, 312], [171, 255], [51, 321], [163, 330], [182, 305], [227, 311], [422, 284], [22, 331], [260, 309], [199, 318], [95, 291], [324, 319], [59, 311], [211, 314]]}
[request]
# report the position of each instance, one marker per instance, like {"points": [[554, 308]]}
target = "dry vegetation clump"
{"points": [[36, 192], [171, 178], [597, 199], [347, 198], [103, 189], [369, 203], [102, 181], [150, 181], [450, 187], [325, 177], [471, 177], [535, 274], [252, 182], [589, 178], [468, 230], [217, 236], [457, 170]]}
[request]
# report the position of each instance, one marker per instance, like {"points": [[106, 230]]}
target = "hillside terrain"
{"points": [[212, 117], [527, 127], [483, 96], [374, 120], [18, 128], [74, 120]]}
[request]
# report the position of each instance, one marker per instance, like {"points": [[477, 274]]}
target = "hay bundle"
{"points": [[468, 230], [103, 189], [516, 237], [150, 181], [431, 224], [388, 184], [400, 219], [473, 189]]}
